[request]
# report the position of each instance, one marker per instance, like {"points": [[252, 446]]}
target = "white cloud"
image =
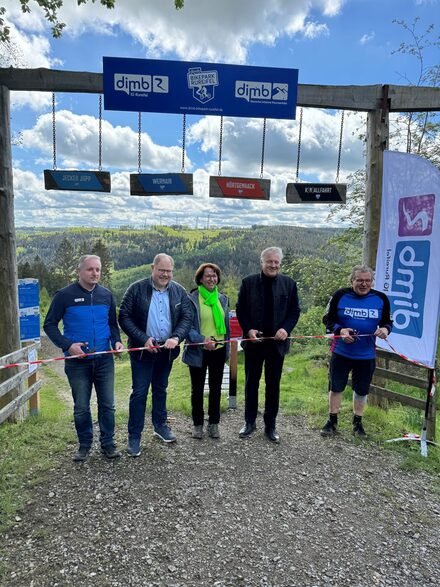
{"points": [[77, 144], [312, 30], [367, 38], [202, 30], [242, 157]]}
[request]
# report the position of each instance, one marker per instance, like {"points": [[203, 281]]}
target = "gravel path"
{"points": [[242, 513]]}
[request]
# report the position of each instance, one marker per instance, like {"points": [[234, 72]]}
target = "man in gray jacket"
{"points": [[155, 313]]}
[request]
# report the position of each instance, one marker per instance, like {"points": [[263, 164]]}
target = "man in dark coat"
{"points": [[267, 310], [155, 313]]}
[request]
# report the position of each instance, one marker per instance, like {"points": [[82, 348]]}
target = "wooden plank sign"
{"points": [[316, 193], [161, 184], [78, 181], [239, 187]]}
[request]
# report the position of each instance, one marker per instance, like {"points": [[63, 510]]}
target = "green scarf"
{"points": [[211, 299]]}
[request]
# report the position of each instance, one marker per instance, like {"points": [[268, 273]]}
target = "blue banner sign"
{"points": [[29, 309], [28, 293], [78, 181], [161, 184], [184, 87], [29, 324]]}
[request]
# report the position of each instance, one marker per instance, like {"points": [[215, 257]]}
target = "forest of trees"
{"points": [[318, 259]]}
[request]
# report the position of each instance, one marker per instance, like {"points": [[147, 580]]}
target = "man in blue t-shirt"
{"points": [[352, 314]]}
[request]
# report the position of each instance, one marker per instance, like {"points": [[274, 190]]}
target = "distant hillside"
{"points": [[236, 251], [134, 247]]}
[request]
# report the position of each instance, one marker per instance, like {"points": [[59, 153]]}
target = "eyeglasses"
{"points": [[164, 271]]}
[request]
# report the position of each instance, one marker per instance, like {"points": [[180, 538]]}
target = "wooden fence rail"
{"points": [[15, 383], [409, 374]]}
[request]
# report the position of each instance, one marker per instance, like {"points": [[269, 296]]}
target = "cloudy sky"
{"points": [[335, 42]]}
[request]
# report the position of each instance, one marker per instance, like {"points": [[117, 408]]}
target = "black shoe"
{"points": [[247, 430], [81, 455], [329, 429], [358, 430], [272, 435], [110, 452]]}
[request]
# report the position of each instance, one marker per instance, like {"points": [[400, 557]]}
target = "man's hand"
{"points": [[280, 334], [77, 348], [381, 332], [347, 335], [253, 335], [150, 344], [171, 343], [118, 346]]}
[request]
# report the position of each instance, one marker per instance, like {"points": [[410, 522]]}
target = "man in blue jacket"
{"points": [[88, 313], [353, 311], [155, 314], [267, 310]]}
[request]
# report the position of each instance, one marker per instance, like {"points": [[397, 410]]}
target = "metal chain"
{"points": [[183, 143], [340, 148], [263, 143], [100, 135], [54, 134], [220, 147], [139, 142], [298, 155]]}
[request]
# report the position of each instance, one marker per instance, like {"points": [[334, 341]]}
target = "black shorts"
{"points": [[361, 376]]}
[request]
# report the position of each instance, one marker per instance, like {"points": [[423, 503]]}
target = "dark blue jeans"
{"points": [[149, 369], [83, 374], [255, 356]]}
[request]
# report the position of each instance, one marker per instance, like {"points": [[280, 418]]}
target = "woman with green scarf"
{"points": [[205, 351]]}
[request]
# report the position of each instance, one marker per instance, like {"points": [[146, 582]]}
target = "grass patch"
{"points": [[30, 448]]}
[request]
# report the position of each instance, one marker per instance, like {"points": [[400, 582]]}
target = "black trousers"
{"points": [[214, 363], [255, 356]]}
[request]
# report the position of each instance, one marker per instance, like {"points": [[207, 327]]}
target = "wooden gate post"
{"points": [[233, 362], [377, 142], [9, 324]]}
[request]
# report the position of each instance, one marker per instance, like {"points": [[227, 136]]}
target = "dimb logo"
{"points": [[408, 286], [256, 91], [416, 214], [139, 84]]}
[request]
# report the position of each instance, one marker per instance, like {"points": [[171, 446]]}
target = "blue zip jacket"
{"points": [[88, 316]]}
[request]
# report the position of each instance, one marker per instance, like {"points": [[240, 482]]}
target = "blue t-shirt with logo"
{"points": [[364, 314]]}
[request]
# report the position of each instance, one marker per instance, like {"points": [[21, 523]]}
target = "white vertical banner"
{"points": [[408, 254]]}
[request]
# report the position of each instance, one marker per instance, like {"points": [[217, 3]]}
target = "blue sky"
{"points": [[334, 42]]}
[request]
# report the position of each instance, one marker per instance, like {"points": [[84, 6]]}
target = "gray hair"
{"points": [[84, 258], [271, 250], [160, 257], [361, 269]]}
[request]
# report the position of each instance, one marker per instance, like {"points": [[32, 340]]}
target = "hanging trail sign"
{"points": [[184, 87], [239, 187], [161, 184], [316, 193], [78, 181]]}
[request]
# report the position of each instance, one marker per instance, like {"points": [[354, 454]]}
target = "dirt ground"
{"points": [[309, 512]]}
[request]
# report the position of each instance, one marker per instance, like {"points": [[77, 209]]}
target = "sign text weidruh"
{"points": [[183, 87], [239, 187], [161, 184]]}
